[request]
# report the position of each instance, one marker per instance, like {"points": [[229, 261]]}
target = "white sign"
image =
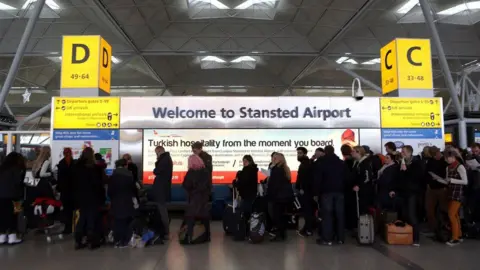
{"points": [[249, 112], [228, 146]]}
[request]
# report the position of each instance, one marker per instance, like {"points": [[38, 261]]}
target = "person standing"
{"points": [[304, 187], [457, 180], [198, 187], [89, 194], [436, 194], [408, 188], [162, 185], [12, 174], [363, 179], [247, 186], [280, 194], [42, 169], [329, 187], [65, 177], [122, 192]]}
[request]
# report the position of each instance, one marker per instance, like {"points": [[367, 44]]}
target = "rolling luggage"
{"points": [[233, 220], [398, 233], [257, 228], [366, 227]]}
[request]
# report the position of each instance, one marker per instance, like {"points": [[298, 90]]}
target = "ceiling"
{"points": [[231, 47]]}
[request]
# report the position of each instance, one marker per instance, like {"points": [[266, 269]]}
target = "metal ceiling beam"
{"points": [[354, 75], [22, 46], [20, 79], [333, 40], [34, 115], [120, 31]]}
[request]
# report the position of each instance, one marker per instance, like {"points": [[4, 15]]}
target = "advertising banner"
{"points": [[417, 138], [249, 112], [104, 142], [228, 146]]}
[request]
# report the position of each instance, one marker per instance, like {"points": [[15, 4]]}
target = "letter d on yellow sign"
{"points": [[86, 63]]}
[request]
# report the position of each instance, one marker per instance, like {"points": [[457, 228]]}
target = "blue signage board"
{"points": [[412, 133]]}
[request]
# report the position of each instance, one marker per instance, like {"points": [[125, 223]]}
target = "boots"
{"points": [[12, 239], [3, 239]]}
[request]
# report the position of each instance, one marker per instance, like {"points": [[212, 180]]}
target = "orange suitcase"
{"points": [[399, 233]]}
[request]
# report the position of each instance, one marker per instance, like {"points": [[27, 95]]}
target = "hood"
{"points": [[122, 171], [304, 159], [164, 154], [330, 157]]}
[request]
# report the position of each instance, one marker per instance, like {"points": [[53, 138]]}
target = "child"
{"points": [[122, 192], [456, 180]]}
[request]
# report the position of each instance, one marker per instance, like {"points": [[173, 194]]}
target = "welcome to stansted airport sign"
{"points": [[249, 112]]}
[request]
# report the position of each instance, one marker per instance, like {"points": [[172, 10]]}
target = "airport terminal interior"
{"points": [[244, 77]]}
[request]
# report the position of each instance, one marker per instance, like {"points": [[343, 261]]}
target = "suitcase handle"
{"points": [[358, 204]]}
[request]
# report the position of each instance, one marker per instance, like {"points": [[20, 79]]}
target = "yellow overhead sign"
{"points": [[86, 113], [406, 64], [411, 112], [86, 63]]}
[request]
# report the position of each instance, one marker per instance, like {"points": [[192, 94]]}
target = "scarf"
{"points": [[379, 173]]}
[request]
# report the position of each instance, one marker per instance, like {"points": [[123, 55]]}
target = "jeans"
{"points": [[8, 221], [90, 225], [191, 226], [121, 230], [308, 212], [453, 208], [408, 214], [246, 206], [333, 206], [434, 198], [163, 211]]}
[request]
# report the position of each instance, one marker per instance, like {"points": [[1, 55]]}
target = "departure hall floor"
{"points": [[224, 254]]}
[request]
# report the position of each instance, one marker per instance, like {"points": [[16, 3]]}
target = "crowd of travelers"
{"points": [[418, 187]]}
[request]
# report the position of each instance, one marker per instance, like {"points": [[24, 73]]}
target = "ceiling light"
{"points": [[6, 7], [219, 90], [50, 3], [116, 60], [372, 62], [249, 3], [213, 59], [243, 59], [341, 59], [214, 3], [409, 5], [459, 8]]}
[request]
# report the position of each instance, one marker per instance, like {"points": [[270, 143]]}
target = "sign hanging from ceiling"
{"points": [[86, 63], [86, 113], [411, 112], [406, 64]]}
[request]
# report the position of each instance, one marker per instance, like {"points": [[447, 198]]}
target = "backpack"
{"points": [[257, 228]]}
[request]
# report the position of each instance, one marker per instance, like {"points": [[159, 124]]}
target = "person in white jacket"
{"points": [[457, 180]]}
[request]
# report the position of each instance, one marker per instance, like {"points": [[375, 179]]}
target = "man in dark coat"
{"points": [[122, 192], [304, 187], [161, 188], [197, 149]]}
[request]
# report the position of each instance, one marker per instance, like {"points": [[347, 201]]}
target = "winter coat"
{"points": [[65, 176], [132, 167], [362, 176], [279, 186], [198, 187], [88, 186], [247, 182], [410, 182], [305, 176], [122, 190], [331, 176], [387, 177], [11, 184], [162, 185], [207, 160]]}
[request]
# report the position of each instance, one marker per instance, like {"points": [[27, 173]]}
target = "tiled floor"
{"points": [[224, 254]]}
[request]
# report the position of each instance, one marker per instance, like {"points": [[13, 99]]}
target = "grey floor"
{"points": [[224, 254]]}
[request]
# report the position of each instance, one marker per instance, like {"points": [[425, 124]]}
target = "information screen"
{"points": [[228, 146]]}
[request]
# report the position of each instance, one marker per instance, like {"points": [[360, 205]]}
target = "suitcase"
{"points": [[366, 227], [398, 233], [233, 220]]}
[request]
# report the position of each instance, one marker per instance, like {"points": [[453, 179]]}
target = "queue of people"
{"points": [[431, 182]]}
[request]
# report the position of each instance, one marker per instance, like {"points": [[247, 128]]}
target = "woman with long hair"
{"points": [[89, 197], [247, 185], [198, 187], [280, 195], [12, 174], [65, 187], [363, 179], [42, 169]]}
